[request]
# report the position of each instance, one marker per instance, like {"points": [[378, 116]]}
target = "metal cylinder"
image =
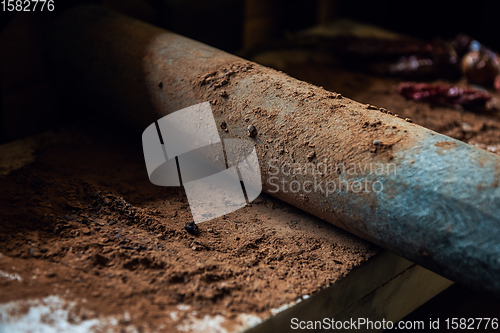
{"points": [[433, 200]]}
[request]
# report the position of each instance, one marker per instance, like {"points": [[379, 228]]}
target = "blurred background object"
{"points": [[29, 104]]}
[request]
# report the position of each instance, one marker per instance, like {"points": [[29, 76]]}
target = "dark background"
{"points": [[29, 104]]}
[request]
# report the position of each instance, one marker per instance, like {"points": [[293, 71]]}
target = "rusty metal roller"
{"points": [[427, 197]]}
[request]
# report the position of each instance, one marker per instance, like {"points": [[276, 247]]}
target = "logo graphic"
{"points": [[185, 149]]}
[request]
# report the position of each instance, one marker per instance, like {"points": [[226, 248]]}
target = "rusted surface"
{"points": [[437, 206]]}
